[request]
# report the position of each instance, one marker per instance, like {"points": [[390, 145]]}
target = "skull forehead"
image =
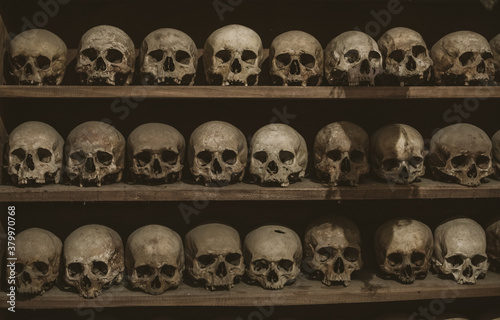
{"points": [[92, 134], [217, 136], [464, 236], [92, 242], [105, 37], [235, 38], [155, 242], [400, 38], [37, 42], [461, 137], [353, 40], [155, 136], [296, 42], [456, 43], [276, 137], [333, 231], [37, 245], [397, 140], [405, 236], [342, 135], [34, 134], [170, 39], [213, 238], [273, 243]]}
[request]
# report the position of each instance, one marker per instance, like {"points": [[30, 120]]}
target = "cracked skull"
{"points": [[233, 55], [493, 244], [397, 154], [403, 248], [279, 155], [38, 57], [353, 59], [94, 259], [495, 48], [95, 154], [332, 249], [217, 153], [296, 59], [38, 254], [460, 250], [106, 56], [461, 153], [155, 153], [341, 153], [463, 58], [168, 56], [273, 255], [214, 256], [154, 259], [35, 154]]}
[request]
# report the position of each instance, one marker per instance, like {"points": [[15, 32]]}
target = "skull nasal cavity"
{"points": [[156, 166], [404, 173], [345, 166], [221, 270], [467, 272], [236, 66], [481, 68], [169, 64], [295, 68], [272, 167], [365, 67], [411, 64], [100, 65], [89, 165], [472, 173], [30, 163], [272, 277], [29, 69], [86, 283], [338, 266], [216, 168], [156, 284], [26, 277], [408, 271]]}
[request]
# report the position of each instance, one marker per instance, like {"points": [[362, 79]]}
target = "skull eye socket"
{"points": [[168, 271], [233, 258], [157, 55], [19, 153], [374, 55], [357, 156], [477, 260], [286, 157], [99, 268], [325, 254], [483, 162], [230, 157], [416, 161], [418, 258], [418, 50], [182, 57], [143, 158], [260, 265], [260, 156], [42, 62], [351, 254], [307, 60], [352, 56], [144, 271], [169, 157], [206, 260], [335, 155], [44, 155], [282, 60], [390, 164], [223, 55], [249, 56], [459, 161], [397, 55], [466, 58], [19, 268], [205, 157], [114, 56], [285, 264], [104, 157], [487, 55], [90, 53], [75, 269], [395, 259], [41, 267], [455, 260], [19, 62]]}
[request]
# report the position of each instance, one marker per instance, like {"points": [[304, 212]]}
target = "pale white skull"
{"points": [[352, 58], [406, 58], [35, 154], [94, 259], [38, 254], [296, 59], [106, 56], [279, 155], [403, 248], [38, 57], [154, 259], [217, 153], [460, 250], [397, 154], [461, 153], [214, 256], [332, 249], [493, 244], [168, 56], [495, 152], [495, 48], [95, 154], [463, 58], [341, 153], [155, 153], [273, 255], [233, 56]]}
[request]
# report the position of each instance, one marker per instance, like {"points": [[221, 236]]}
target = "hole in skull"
{"points": [[307, 60], [41, 267], [78, 156], [352, 56], [374, 55], [390, 164], [487, 55], [90, 53], [395, 259], [104, 158], [282, 60], [335, 155], [483, 162], [248, 56], [416, 161], [279, 231], [260, 265], [351, 254], [182, 57], [419, 51], [114, 56], [397, 55], [455, 260], [285, 264], [230, 157], [477, 260], [157, 55], [233, 258], [144, 271], [466, 58], [357, 156], [19, 153], [260, 156], [44, 155], [418, 258], [143, 158], [99, 268], [168, 271], [325, 253], [75, 269], [206, 260], [459, 161], [205, 157], [19, 61], [42, 62], [286, 157], [19, 268], [224, 55], [26, 278], [169, 157]]}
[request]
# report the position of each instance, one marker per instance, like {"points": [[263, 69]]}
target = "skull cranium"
{"points": [[495, 48], [493, 244]]}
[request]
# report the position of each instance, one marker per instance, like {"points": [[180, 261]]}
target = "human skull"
{"points": [[38, 254], [38, 57], [217, 153], [493, 244], [279, 155], [273, 255], [461, 153], [94, 259], [35, 154], [155, 153], [463, 58], [353, 59], [460, 250], [495, 48], [106, 56], [495, 151], [213, 255], [233, 56], [168, 56], [154, 258], [296, 59], [397, 154], [95, 154], [406, 58], [341, 153], [403, 248], [332, 249]]}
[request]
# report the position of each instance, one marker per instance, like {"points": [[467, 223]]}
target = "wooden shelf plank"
{"points": [[305, 190], [303, 292]]}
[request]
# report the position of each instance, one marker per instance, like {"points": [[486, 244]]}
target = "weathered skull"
{"points": [[495, 48], [460, 250], [463, 58], [213, 255], [233, 56], [493, 244], [403, 248], [35, 154], [341, 153], [217, 153], [353, 59], [155, 153], [397, 154], [461, 153], [94, 259], [279, 155], [38, 57], [154, 258], [38, 254], [95, 154], [168, 56], [406, 58], [106, 56], [332, 249], [495, 151], [296, 59], [273, 255]]}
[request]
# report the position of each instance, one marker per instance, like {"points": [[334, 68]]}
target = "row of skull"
{"points": [[95, 152], [233, 55], [155, 258]]}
